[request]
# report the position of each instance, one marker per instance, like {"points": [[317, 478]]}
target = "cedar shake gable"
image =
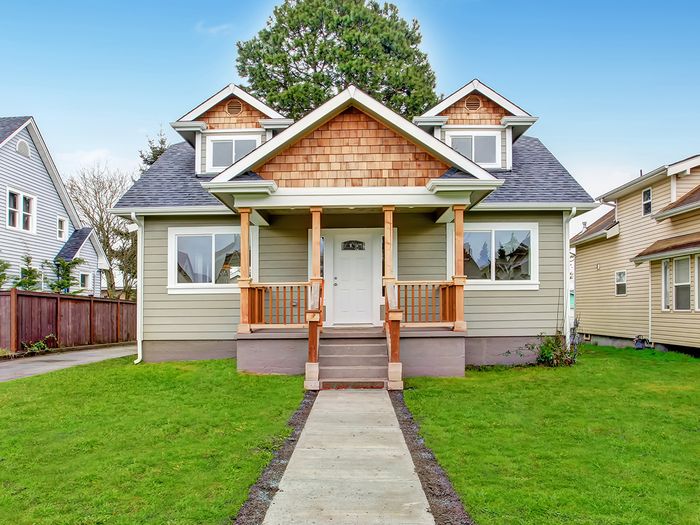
{"points": [[219, 118], [488, 112], [352, 149]]}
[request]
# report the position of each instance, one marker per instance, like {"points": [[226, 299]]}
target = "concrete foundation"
{"points": [[273, 353], [482, 351], [157, 351], [437, 354]]}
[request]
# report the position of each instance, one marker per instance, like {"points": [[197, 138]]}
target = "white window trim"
{"points": [[450, 133], [650, 201], [90, 286], [33, 213], [175, 288], [65, 228], [225, 137], [491, 284], [697, 286], [689, 284], [666, 263], [616, 283]]}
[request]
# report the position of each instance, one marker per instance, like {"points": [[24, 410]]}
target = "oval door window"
{"points": [[352, 245]]}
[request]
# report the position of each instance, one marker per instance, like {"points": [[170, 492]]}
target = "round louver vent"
{"points": [[472, 102], [23, 148], [234, 107]]}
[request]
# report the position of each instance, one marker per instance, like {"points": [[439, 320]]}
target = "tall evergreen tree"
{"points": [[312, 49], [155, 148]]}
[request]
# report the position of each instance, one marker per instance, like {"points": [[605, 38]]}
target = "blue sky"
{"points": [[615, 83]]}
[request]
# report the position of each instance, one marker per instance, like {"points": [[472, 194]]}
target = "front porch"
{"points": [[353, 322]]}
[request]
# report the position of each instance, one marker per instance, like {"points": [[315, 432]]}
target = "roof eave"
{"points": [[227, 91], [633, 185], [677, 211], [666, 254], [476, 85]]}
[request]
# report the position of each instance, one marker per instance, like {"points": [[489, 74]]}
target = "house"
{"points": [[39, 218], [637, 266], [414, 248]]}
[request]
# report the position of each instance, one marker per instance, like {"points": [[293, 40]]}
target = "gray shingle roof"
{"points": [[8, 125], [72, 246], [537, 176], [170, 181]]}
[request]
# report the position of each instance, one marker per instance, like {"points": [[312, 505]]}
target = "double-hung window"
{"points": [[646, 202], [21, 211], [501, 255], [205, 259], [665, 285], [621, 282], [681, 283], [61, 228], [482, 147], [223, 150]]}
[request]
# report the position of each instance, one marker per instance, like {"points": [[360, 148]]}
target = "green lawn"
{"points": [[612, 440], [114, 443]]}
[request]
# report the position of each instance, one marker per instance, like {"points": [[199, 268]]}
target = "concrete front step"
{"points": [[352, 383], [352, 372], [352, 340], [351, 348], [353, 360]]}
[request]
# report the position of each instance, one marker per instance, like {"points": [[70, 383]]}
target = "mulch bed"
{"points": [[260, 495], [444, 502]]}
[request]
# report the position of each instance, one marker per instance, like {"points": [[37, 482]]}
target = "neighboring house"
{"points": [[38, 217], [637, 266], [358, 198]]}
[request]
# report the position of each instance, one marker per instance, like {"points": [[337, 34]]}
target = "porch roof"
{"points": [[677, 246]]}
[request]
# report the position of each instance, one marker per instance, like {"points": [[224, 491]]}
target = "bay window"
{"points": [[205, 259], [224, 149], [501, 255]]}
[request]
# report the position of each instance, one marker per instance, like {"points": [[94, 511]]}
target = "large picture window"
{"points": [[500, 254], [681, 283], [205, 259]]}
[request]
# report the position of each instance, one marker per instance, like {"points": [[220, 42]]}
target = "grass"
{"points": [[114, 443], [612, 440]]}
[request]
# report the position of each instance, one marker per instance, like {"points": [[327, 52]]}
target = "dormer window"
{"points": [[224, 150], [646, 202], [482, 147]]}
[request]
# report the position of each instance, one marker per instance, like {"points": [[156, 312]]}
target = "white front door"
{"points": [[352, 278]]}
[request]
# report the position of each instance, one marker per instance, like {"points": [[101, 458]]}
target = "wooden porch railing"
{"points": [[427, 303], [277, 305], [314, 318]]}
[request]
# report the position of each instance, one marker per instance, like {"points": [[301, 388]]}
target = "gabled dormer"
{"points": [[226, 127], [479, 123]]}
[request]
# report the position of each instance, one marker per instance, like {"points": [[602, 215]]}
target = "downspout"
{"points": [[567, 291], [139, 287]]}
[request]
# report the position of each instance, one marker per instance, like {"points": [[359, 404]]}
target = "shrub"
{"points": [[4, 266], [29, 277], [40, 346], [552, 350]]}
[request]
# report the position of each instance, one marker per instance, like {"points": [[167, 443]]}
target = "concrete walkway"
{"points": [[31, 366], [350, 466]]}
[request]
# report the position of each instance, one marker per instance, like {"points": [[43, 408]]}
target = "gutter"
{"points": [[567, 291], [140, 251]]}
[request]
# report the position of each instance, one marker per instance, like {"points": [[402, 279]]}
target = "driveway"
{"points": [[31, 366]]}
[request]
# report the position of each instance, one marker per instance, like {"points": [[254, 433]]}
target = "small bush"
{"points": [[552, 350], [40, 346]]}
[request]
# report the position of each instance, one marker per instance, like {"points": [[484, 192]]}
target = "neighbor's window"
{"points": [[499, 254], [86, 281], [222, 151], [665, 285], [480, 148], [61, 228], [621, 283], [646, 202], [20, 211], [681, 283]]}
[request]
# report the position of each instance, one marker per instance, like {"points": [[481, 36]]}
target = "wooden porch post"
{"points": [[388, 243], [459, 279], [314, 313], [244, 279]]}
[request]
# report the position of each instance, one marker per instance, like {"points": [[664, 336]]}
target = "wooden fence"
{"points": [[73, 320]]}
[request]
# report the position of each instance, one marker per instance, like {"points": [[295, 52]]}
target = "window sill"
{"points": [[502, 285], [203, 290]]}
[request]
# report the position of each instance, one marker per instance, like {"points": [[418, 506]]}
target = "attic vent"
{"points": [[23, 148], [472, 102], [234, 107]]}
